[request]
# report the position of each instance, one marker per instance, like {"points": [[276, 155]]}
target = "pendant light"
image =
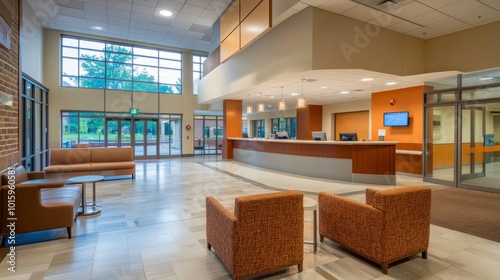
{"points": [[302, 101], [260, 107], [249, 108], [282, 104]]}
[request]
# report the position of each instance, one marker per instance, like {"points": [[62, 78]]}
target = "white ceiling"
{"points": [[190, 27]]}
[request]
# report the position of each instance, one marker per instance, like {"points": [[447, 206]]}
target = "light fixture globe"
{"points": [[282, 104], [302, 101], [260, 106]]}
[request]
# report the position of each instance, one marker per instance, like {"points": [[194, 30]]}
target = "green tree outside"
{"points": [[118, 72]]}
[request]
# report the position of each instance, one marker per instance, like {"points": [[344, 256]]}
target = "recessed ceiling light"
{"points": [[166, 13], [294, 94], [390, 83], [97, 28], [486, 79], [323, 87], [366, 79], [344, 92]]}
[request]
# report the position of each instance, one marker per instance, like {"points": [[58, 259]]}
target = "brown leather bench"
{"points": [[39, 205], [66, 163]]}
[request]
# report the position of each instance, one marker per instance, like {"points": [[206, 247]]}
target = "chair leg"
{"points": [[68, 229], [424, 254], [321, 238], [209, 247], [384, 268], [301, 266]]}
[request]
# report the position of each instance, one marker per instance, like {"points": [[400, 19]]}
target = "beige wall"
{"points": [[64, 98], [314, 39], [468, 50], [31, 43], [341, 42]]}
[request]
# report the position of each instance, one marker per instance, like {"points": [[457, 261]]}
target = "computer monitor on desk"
{"points": [[319, 135], [348, 136], [282, 135]]}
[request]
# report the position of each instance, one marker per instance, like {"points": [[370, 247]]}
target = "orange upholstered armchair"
{"points": [[392, 225], [265, 233]]}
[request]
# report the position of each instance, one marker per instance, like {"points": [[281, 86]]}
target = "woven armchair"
{"points": [[265, 233], [392, 225]]}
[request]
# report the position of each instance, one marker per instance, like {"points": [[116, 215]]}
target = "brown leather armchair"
{"points": [[39, 205], [392, 225], [265, 233]]}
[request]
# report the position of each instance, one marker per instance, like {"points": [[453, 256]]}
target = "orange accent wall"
{"points": [[406, 99], [232, 111], [309, 119]]}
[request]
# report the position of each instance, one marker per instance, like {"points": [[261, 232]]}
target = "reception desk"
{"points": [[371, 162]]}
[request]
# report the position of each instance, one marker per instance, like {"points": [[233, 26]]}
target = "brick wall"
{"points": [[9, 84]]}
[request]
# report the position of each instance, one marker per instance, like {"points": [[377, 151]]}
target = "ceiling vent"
{"points": [[387, 6], [391, 7]]}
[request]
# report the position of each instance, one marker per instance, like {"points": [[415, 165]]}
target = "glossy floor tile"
{"points": [[153, 227]]}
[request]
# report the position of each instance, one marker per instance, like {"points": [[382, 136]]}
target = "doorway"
{"points": [[473, 130], [141, 134], [145, 140], [118, 133], [352, 122]]}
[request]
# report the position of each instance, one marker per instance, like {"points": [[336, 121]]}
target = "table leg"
{"points": [[84, 199], [93, 194], [90, 208], [315, 237]]}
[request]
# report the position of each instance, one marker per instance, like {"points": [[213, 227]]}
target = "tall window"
{"points": [[87, 63], [285, 124], [197, 71], [259, 128], [34, 119]]}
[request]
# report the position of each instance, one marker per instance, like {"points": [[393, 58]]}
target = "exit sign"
{"points": [[134, 111]]}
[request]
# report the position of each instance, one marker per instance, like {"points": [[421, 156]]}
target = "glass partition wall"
{"points": [[462, 131], [208, 134]]}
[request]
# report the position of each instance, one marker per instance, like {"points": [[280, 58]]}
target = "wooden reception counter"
{"points": [[371, 162]]}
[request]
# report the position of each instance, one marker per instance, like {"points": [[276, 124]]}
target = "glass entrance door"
{"points": [[145, 140], [473, 129], [118, 133]]}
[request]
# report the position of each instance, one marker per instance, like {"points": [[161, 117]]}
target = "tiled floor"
{"points": [[153, 227]]}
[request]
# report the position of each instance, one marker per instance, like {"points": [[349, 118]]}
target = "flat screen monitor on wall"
{"points": [[396, 119], [282, 135], [319, 135], [348, 136]]}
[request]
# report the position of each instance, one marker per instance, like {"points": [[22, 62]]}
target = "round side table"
{"points": [[91, 208]]}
